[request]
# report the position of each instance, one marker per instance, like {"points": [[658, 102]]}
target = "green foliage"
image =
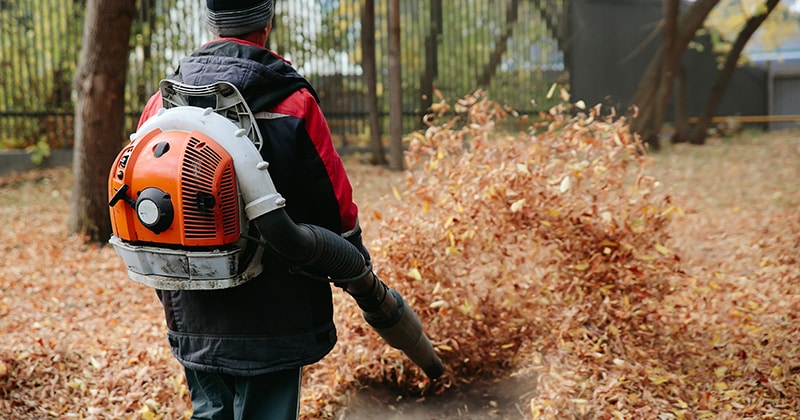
{"points": [[729, 17], [38, 55], [39, 152]]}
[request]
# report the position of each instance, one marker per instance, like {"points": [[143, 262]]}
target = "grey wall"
{"points": [[19, 161], [612, 43]]}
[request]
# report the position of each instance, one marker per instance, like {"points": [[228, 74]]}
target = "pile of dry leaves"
{"points": [[554, 252], [551, 252], [524, 249]]}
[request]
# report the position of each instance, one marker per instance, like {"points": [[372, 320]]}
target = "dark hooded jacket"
{"points": [[280, 319]]}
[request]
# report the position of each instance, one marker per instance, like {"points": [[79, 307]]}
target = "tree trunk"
{"points": [[431, 55], [725, 74], [371, 79], [656, 84], [671, 61], [99, 112], [681, 134], [395, 88]]}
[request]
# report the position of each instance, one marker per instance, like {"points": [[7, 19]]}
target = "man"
{"points": [[243, 348]]}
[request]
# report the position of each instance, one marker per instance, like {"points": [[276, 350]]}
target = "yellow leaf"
{"points": [[671, 209], [721, 386], [415, 274], [507, 346], [551, 91], [564, 95], [776, 371], [517, 205], [662, 249], [536, 412], [565, 184], [75, 384], [396, 193], [444, 347], [659, 380], [95, 363], [582, 267]]}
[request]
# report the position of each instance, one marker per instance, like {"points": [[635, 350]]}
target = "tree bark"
{"points": [[99, 112], [656, 84], [724, 76], [681, 134], [371, 80], [395, 88], [671, 61], [431, 55]]}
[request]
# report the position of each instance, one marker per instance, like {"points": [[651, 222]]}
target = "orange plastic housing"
{"points": [[197, 174]]}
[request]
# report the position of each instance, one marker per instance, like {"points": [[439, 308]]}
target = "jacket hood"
{"points": [[264, 78]]}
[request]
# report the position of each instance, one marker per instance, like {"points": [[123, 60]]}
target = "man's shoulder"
{"points": [[298, 104]]}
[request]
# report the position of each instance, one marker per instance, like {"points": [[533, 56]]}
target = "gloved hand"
{"points": [[354, 237]]}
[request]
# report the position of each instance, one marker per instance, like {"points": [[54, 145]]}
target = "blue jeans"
{"points": [[274, 396]]}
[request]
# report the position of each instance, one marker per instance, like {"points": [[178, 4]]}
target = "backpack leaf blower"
{"points": [[185, 192]]}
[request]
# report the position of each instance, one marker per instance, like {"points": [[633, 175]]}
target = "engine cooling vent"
{"points": [[228, 197], [209, 202]]}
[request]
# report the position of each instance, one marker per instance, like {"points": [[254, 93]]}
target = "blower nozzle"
{"points": [[385, 310]]}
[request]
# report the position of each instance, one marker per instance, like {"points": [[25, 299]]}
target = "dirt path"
{"points": [[500, 399]]}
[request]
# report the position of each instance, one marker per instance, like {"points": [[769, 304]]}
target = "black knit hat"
{"points": [[238, 17]]}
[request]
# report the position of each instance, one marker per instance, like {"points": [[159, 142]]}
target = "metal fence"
{"points": [[454, 46]]}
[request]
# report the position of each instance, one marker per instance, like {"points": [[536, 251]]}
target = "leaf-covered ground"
{"points": [[713, 333]]}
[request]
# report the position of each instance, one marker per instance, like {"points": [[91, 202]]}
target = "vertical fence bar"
{"points": [[447, 52], [5, 35]]}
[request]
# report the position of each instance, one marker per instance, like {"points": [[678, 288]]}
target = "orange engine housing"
{"points": [[193, 178]]}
